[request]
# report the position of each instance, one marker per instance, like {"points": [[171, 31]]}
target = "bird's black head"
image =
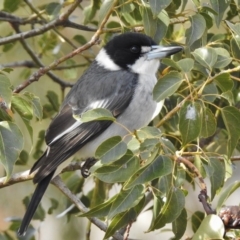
{"points": [[126, 48], [135, 52]]}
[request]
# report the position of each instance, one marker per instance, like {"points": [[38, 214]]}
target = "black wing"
{"points": [[65, 135]]}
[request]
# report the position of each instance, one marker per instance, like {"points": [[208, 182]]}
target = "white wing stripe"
{"points": [[75, 125]]}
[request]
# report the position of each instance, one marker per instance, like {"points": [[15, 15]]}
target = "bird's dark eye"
{"points": [[135, 49]]}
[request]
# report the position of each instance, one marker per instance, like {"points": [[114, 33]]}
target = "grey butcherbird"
{"points": [[120, 79]]}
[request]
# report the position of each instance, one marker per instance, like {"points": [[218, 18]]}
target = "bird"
{"points": [[120, 79]]}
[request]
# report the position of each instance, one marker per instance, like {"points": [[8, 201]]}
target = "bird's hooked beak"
{"points": [[162, 51]]}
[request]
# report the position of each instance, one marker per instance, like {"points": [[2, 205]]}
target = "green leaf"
{"points": [[226, 193], [158, 5], [206, 56], [54, 205], [171, 209], [196, 30], [11, 6], [160, 166], [101, 210], [90, 11], [219, 6], [53, 8], [186, 64], [97, 114], [53, 99], [11, 144], [209, 124], [235, 47], [5, 91], [36, 105], [223, 58], [157, 205], [126, 199], [169, 62], [23, 158], [120, 170], [148, 132], [25, 110], [224, 82], [216, 231], [231, 118], [163, 22], [80, 39], [189, 121], [104, 9], [210, 92], [122, 219], [5, 98], [180, 224], [149, 23], [218, 175], [196, 220], [166, 86], [111, 150]]}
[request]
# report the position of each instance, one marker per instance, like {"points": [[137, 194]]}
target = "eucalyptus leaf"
{"points": [[196, 30], [231, 118], [160, 166], [11, 144], [190, 121], [166, 86], [111, 150], [97, 114]]}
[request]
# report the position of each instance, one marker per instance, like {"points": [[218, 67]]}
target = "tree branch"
{"points": [[58, 21], [25, 176], [55, 78], [31, 64], [94, 40], [65, 190]]}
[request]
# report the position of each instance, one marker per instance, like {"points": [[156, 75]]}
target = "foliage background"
{"points": [[199, 124]]}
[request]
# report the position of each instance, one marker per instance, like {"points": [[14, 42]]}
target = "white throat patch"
{"points": [[144, 66], [105, 61]]}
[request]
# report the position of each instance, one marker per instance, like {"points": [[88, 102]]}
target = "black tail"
{"points": [[36, 198]]}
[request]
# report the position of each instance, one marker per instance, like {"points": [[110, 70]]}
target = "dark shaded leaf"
{"points": [[218, 175], [160, 166], [180, 224], [231, 118], [126, 199], [171, 209], [196, 220], [120, 170]]}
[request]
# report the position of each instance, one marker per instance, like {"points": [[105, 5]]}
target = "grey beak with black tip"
{"points": [[162, 51]]}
